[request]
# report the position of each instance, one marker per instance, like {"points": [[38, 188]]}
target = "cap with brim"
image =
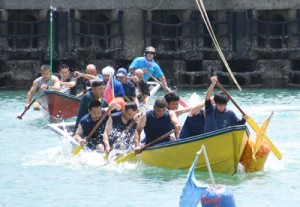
{"points": [[121, 72]]}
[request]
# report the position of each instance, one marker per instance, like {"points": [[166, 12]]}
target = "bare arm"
{"points": [[108, 128], [84, 75], [56, 85], [179, 112], [139, 129], [79, 136], [195, 110], [214, 80], [176, 123], [70, 84], [164, 81], [30, 93]]}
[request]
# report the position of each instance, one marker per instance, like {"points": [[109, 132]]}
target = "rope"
{"points": [[212, 35]]}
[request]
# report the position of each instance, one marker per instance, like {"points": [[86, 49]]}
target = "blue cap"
{"points": [[122, 72]]}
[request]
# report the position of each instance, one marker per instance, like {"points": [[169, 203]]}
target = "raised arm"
{"points": [[214, 80]]}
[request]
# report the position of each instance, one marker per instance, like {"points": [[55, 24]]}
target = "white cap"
{"points": [[108, 70]]}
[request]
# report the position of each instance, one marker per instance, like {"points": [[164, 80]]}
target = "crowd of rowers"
{"points": [[122, 125]]}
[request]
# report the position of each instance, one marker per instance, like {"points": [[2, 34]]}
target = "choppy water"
{"points": [[37, 169]]}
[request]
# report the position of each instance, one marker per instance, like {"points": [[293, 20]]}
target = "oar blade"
{"points": [[77, 150], [273, 148], [125, 158]]}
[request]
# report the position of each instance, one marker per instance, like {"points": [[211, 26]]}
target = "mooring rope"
{"points": [[212, 35]]}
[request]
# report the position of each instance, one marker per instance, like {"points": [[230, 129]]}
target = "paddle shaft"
{"points": [[182, 103], [231, 99], [97, 125], [26, 108], [157, 140], [132, 153]]}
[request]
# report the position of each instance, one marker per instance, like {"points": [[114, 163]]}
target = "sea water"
{"points": [[37, 168]]}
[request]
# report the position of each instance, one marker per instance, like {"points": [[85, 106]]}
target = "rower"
{"points": [[147, 62], [88, 122], [156, 123], [120, 128], [217, 115], [91, 73], [43, 83], [173, 102], [143, 91], [67, 83]]}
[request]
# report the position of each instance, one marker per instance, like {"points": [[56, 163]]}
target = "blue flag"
{"points": [[193, 190]]}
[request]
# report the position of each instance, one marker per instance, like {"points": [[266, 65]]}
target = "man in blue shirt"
{"points": [[147, 62], [118, 88], [217, 115], [128, 86], [156, 123]]}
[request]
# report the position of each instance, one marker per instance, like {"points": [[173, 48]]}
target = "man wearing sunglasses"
{"points": [[147, 62]]}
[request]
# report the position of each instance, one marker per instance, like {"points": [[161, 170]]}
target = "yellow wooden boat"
{"points": [[224, 148]]}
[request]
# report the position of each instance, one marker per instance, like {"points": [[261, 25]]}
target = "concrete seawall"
{"points": [[260, 41]]}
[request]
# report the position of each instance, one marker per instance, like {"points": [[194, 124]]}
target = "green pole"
{"points": [[50, 45]]}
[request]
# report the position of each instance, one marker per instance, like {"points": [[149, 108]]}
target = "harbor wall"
{"points": [[260, 40]]}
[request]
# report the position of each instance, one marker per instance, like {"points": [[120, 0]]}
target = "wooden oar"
{"points": [[26, 108], [130, 155], [79, 147], [181, 102], [252, 123]]}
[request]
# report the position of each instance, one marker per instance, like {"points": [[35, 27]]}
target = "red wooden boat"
{"points": [[58, 106]]}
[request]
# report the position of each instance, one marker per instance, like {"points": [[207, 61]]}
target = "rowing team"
{"points": [[122, 130], [130, 85]]}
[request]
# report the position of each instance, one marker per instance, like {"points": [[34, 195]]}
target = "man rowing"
{"points": [[43, 83], [143, 91], [120, 128], [88, 122], [91, 73], [156, 123], [147, 62], [218, 116]]}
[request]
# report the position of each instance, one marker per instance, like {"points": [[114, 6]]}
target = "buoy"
{"points": [[218, 195], [253, 165]]}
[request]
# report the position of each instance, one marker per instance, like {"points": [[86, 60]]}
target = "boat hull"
{"points": [[59, 105], [224, 148]]}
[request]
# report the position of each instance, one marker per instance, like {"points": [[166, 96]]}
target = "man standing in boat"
{"points": [[96, 93], [217, 115], [120, 128], [156, 123], [147, 62], [43, 83], [67, 83], [88, 122]]}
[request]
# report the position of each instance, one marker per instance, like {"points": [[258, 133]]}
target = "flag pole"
{"points": [[50, 45]]}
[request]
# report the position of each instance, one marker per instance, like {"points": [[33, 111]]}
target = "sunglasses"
{"points": [[152, 53]]}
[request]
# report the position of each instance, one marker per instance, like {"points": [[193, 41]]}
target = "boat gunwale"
{"points": [[60, 94], [198, 137]]}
